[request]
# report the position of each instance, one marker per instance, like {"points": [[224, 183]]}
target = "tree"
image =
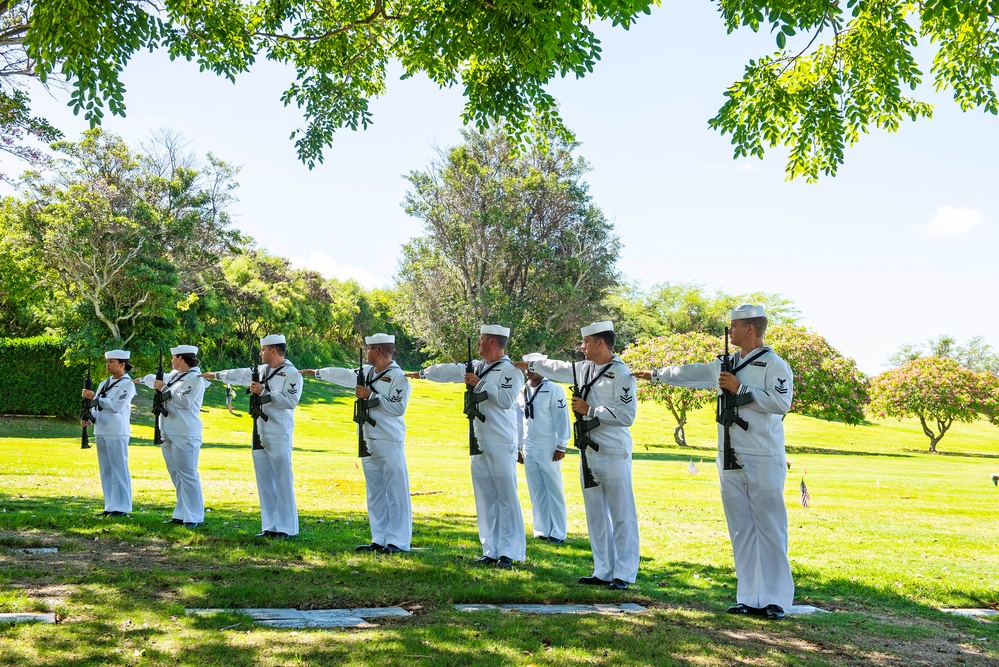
{"points": [[827, 385], [509, 237], [129, 249], [21, 134], [23, 299], [682, 307], [504, 53], [848, 72], [975, 355], [840, 69], [936, 391], [674, 349]]}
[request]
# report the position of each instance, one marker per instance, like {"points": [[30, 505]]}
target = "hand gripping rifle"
{"points": [[159, 405], [85, 415], [581, 435], [472, 412], [256, 410], [728, 412], [361, 414]]}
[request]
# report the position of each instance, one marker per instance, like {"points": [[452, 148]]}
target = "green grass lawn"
{"points": [[893, 533]]}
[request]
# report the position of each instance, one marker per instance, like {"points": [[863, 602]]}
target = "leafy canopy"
{"points": [[827, 385], [503, 52], [938, 392], [510, 237], [841, 69]]}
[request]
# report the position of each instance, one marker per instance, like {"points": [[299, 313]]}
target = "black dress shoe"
{"points": [[374, 546], [101, 515], [486, 560], [392, 549], [280, 536], [593, 581], [173, 521], [117, 513], [618, 585], [743, 609], [504, 561], [542, 537], [555, 540], [191, 524], [774, 612], [266, 533]]}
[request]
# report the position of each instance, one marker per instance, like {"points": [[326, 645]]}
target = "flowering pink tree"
{"points": [[674, 350], [935, 390], [827, 385]]}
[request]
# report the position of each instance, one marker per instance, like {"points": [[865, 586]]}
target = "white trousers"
{"points": [[116, 482], [544, 484], [757, 524], [611, 516], [181, 454], [386, 481], [276, 484], [494, 481]]}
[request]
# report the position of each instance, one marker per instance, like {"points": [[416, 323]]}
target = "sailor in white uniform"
{"points": [[544, 434], [386, 478], [753, 494], [110, 410], [607, 394], [183, 392], [279, 389], [494, 472]]}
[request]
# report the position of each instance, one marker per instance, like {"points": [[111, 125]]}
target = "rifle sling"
{"points": [[103, 393], [369, 382], [481, 372], [584, 391], [750, 360]]}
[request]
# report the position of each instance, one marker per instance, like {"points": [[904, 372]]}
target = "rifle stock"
{"points": [[85, 415], [581, 435], [361, 411], [471, 409]]}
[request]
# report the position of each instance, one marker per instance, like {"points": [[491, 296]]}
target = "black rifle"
{"points": [[728, 412], [581, 435], [361, 414], [472, 412], [159, 405], [256, 410], [85, 415]]}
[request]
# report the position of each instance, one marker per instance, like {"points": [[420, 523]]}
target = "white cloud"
{"points": [[952, 221], [330, 268]]}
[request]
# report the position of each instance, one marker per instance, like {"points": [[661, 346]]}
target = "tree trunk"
{"points": [[678, 434]]}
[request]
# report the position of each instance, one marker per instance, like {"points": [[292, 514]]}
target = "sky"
{"points": [[898, 248]]}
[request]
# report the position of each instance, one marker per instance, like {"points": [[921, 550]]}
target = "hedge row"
{"points": [[35, 381]]}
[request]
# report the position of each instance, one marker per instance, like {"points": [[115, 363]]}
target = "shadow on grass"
{"points": [[805, 449], [128, 590], [973, 455]]}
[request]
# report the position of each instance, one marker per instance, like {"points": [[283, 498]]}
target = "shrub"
{"points": [[35, 381]]}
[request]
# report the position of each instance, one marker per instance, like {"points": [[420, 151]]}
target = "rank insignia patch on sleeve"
{"points": [[627, 397], [781, 386]]}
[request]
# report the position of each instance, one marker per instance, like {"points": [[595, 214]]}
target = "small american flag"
{"points": [[806, 497], [691, 468]]}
